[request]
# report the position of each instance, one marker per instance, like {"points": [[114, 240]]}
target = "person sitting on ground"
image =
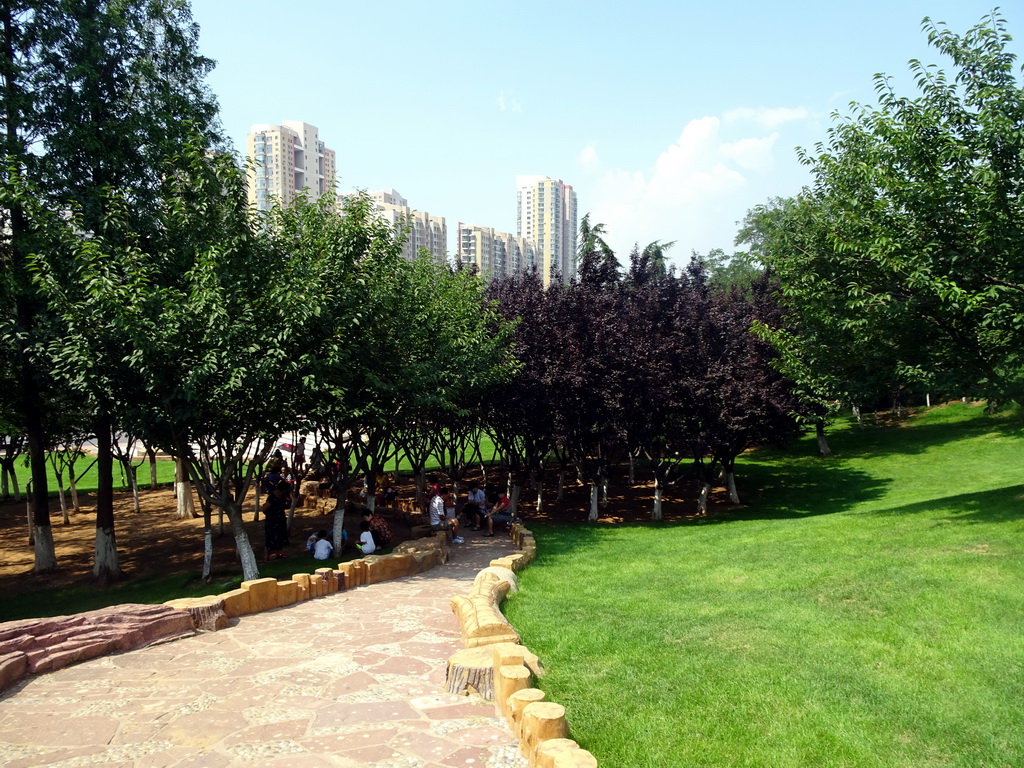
{"points": [[366, 544], [500, 512], [476, 506], [379, 527], [322, 548]]}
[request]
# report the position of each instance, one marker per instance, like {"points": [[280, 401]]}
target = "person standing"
{"points": [[275, 522]]}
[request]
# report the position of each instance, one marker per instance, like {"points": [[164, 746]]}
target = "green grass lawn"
{"points": [[864, 610]]}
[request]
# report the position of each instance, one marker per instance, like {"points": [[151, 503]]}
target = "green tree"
{"points": [[917, 218], [96, 93]]}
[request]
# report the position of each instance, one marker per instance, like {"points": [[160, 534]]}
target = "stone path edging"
{"points": [[506, 673]]}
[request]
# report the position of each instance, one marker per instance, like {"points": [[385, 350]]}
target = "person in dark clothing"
{"points": [[275, 521]]}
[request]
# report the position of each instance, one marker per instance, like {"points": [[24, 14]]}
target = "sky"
{"points": [[669, 119]]}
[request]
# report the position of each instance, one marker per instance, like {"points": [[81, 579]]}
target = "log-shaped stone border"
{"points": [[29, 646], [494, 665]]}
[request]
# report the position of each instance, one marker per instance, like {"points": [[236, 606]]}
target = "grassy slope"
{"points": [[864, 611]]}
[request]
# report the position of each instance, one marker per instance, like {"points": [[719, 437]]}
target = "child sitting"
{"points": [[366, 543], [322, 546]]}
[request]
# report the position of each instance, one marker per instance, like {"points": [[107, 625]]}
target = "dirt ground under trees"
{"points": [[152, 541]]}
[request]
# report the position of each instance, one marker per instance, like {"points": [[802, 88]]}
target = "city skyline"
{"points": [[670, 120]]}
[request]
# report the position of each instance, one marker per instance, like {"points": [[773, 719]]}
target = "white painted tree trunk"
{"points": [[540, 498], [105, 565], [133, 479], [513, 498], [42, 538], [73, 482], [927, 399], [63, 503], [604, 492], [593, 502], [656, 512], [339, 526], [250, 568], [856, 415], [730, 483], [702, 500], [561, 486], [183, 490], [207, 553]]}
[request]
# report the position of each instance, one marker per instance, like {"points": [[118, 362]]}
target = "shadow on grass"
{"points": [[913, 436], [999, 505], [801, 488]]}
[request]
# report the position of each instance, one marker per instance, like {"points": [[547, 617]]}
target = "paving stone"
{"points": [[352, 680]]}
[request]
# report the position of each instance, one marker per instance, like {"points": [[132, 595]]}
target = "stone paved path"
{"points": [[352, 679]]}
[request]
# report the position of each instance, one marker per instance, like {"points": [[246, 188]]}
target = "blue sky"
{"points": [[669, 119]]}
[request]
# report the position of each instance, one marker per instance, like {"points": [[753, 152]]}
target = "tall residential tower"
{"points": [[547, 216], [287, 160]]}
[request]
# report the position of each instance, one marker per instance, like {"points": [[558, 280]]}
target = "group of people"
{"points": [[483, 508], [276, 484]]}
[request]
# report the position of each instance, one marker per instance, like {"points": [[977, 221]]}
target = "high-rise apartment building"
{"points": [[547, 217], [287, 160], [423, 231], [496, 254]]}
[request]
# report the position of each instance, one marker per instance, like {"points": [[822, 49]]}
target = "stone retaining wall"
{"points": [[495, 665]]}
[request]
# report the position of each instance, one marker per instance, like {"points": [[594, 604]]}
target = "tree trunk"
{"points": [[513, 498], [65, 517], [819, 432], [133, 479], [17, 491], [604, 491], [339, 526], [28, 521], [928, 400], [656, 513], [186, 509], [73, 482], [632, 469], [540, 498], [593, 502], [207, 541], [153, 479], [561, 486], [250, 567], [856, 415], [730, 484], [702, 499], [45, 554], [106, 568], [4, 488]]}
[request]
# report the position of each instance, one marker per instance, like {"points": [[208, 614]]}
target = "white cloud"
{"points": [[508, 104], [767, 117], [696, 188], [588, 157], [752, 154]]}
